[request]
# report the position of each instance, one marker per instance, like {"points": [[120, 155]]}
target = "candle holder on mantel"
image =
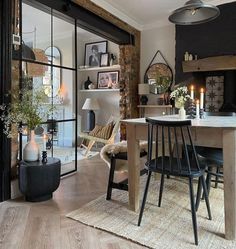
{"points": [[44, 157]]}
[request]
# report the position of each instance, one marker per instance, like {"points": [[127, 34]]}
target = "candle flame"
{"points": [[202, 90], [197, 101], [192, 87]]}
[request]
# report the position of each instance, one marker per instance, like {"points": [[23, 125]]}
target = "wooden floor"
{"points": [[43, 225]]}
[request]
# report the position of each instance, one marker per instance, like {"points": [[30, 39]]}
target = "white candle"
{"points": [[201, 98], [192, 92], [197, 109], [44, 142]]}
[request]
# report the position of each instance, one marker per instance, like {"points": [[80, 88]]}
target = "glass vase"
{"points": [[31, 149], [182, 113]]}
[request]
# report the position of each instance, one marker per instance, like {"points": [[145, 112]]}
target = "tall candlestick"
{"points": [[192, 92], [201, 98], [197, 109]]}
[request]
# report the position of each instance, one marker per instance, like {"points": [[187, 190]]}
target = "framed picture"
{"points": [[104, 60], [93, 52], [108, 79]]}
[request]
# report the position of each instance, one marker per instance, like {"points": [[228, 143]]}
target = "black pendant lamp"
{"points": [[194, 12]]}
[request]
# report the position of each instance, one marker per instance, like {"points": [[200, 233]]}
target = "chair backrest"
{"points": [[170, 143]]}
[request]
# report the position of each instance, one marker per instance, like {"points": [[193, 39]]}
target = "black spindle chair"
{"points": [[163, 160]]}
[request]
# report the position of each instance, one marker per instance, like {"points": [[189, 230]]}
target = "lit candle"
{"points": [[192, 92], [44, 142], [197, 109], [201, 98]]}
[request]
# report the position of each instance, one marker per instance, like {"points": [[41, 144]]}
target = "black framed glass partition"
{"points": [[50, 64]]}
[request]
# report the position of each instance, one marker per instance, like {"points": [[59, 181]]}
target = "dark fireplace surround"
{"points": [[210, 41]]}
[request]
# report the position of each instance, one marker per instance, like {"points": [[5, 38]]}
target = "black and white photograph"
{"points": [[104, 60], [93, 53], [108, 79]]}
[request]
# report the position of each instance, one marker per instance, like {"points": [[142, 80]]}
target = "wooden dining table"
{"points": [[213, 131]]}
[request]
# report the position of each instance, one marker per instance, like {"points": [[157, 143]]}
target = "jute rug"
{"points": [[169, 226]]}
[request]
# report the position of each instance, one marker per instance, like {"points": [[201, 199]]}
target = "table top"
{"points": [[208, 121], [51, 161]]}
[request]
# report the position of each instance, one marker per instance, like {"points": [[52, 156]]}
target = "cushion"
{"points": [[102, 131]]}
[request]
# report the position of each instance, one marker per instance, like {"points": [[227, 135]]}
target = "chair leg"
{"points": [[199, 192], [111, 177], [90, 145], [208, 182], [217, 177], [144, 198], [161, 189], [206, 196], [194, 218]]}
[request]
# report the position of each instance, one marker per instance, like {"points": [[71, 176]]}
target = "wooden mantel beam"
{"points": [[215, 63]]}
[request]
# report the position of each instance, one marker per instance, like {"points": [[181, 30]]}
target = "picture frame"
{"points": [[104, 60], [93, 52], [108, 79]]}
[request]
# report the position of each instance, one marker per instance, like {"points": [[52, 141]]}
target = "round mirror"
{"points": [[160, 77]]}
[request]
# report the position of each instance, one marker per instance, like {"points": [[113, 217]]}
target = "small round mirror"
{"points": [[160, 77]]}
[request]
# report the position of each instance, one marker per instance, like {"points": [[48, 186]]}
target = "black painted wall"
{"points": [[217, 37]]}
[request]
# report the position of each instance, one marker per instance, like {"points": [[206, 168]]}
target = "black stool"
{"points": [[123, 185]]}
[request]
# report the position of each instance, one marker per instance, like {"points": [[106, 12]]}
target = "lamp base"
{"points": [[90, 120], [144, 99]]}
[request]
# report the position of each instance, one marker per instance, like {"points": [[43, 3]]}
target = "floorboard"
{"points": [[43, 225]]}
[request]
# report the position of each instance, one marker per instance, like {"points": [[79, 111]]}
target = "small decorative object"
{"points": [[202, 114], [91, 86], [31, 149], [87, 83], [191, 109], [109, 79], [186, 56], [195, 57], [104, 60], [181, 96], [44, 157], [190, 57], [93, 52]]}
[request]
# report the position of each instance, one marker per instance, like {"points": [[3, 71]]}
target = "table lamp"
{"points": [[91, 104], [143, 90]]}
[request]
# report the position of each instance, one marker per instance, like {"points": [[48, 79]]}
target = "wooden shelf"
{"points": [[100, 90], [114, 67], [215, 63]]}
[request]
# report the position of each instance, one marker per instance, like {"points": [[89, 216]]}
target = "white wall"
{"points": [[163, 39]]}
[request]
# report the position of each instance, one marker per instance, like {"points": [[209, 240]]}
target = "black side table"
{"points": [[37, 180]]}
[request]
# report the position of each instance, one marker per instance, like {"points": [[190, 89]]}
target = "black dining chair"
{"points": [[213, 159], [166, 135]]}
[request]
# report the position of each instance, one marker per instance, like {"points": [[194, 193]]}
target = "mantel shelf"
{"points": [[100, 90], [215, 63], [114, 67]]}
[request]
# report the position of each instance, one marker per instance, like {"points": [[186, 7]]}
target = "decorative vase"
{"points": [[87, 83], [182, 113], [31, 149]]}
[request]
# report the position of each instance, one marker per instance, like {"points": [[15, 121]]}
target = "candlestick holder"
{"points": [[44, 157], [202, 116], [191, 109]]}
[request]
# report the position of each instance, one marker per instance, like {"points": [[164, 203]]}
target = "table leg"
{"points": [[133, 167], [229, 156]]}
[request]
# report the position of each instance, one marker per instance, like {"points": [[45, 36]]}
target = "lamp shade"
{"points": [[194, 12], [91, 104], [143, 89]]}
